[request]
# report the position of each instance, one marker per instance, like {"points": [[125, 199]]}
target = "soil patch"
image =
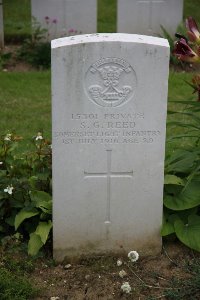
{"points": [[97, 277], [13, 64]]}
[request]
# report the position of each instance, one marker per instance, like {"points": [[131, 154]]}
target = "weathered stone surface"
{"points": [[109, 112], [146, 16], [71, 15]]}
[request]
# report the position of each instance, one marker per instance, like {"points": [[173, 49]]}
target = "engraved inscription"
{"points": [[121, 128], [108, 175], [110, 82]]}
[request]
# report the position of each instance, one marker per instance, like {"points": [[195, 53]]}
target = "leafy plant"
{"points": [[171, 39], [25, 190], [182, 169], [36, 49], [4, 58]]}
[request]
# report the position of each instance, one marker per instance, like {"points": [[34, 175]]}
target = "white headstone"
{"points": [[1, 25], [62, 16], [109, 114], [147, 16]]}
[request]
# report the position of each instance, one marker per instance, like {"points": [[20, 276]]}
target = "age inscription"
{"points": [[107, 129]]}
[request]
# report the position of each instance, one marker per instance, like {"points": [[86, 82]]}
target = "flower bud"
{"points": [[184, 52], [193, 30]]}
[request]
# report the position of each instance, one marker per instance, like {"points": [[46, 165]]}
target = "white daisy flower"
{"points": [[133, 256], [126, 288], [122, 273]]}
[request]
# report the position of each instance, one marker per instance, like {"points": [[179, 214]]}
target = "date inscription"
{"points": [[107, 129]]}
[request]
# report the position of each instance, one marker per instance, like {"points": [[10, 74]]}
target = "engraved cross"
{"points": [[150, 3], [108, 175]]}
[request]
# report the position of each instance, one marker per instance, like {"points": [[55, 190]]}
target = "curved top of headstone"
{"points": [[108, 37]]}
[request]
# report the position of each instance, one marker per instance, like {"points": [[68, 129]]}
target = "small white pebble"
{"points": [[68, 266], [54, 298], [65, 281]]}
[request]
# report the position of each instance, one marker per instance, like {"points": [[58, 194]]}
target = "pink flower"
{"points": [[193, 30], [55, 21], [71, 30], [47, 19]]}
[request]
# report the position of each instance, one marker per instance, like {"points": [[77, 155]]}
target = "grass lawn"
{"points": [[107, 15], [192, 8], [26, 100], [17, 19]]}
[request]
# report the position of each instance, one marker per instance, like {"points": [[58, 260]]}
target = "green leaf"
{"points": [[18, 200], [168, 224], [44, 216], [37, 196], [24, 214], [180, 161], [187, 102], [43, 230], [46, 207], [189, 234], [187, 135], [42, 200], [3, 173], [43, 176], [34, 244], [2, 195], [11, 220], [172, 179], [181, 124], [189, 197], [167, 228], [33, 181]]}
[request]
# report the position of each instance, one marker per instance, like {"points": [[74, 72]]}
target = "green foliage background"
{"points": [[25, 190]]}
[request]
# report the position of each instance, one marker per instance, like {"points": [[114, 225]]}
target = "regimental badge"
{"points": [[110, 82]]}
